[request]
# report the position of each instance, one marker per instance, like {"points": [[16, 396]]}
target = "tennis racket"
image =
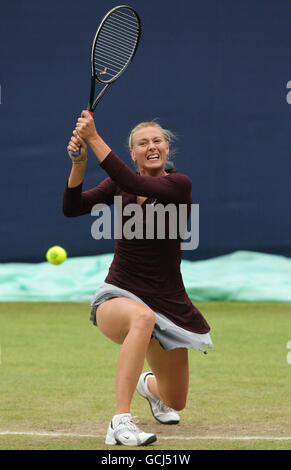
{"points": [[114, 46]]}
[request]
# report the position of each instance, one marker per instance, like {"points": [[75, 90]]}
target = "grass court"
{"points": [[57, 380]]}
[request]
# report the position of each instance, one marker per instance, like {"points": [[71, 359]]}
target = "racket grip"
{"points": [[77, 153]]}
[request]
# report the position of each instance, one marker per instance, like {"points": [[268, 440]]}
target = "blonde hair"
{"points": [[168, 135]]}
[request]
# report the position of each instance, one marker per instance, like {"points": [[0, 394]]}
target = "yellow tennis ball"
{"points": [[56, 255]]}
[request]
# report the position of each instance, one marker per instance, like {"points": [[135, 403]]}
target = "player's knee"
{"points": [[177, 404], [177, 401], [145, 319]]}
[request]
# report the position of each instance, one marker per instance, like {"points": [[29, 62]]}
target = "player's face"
{"points": [[150, 150]]}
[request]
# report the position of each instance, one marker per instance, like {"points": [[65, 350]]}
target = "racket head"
{"points": [[115, 44]]}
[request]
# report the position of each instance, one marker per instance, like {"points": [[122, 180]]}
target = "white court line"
{"points": [[188, 438]]}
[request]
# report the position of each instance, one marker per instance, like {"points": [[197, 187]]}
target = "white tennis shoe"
{"points": [[123, 431], [160, 411]]}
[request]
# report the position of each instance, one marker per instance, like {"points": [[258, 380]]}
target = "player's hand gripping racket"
{"points": [[114, 46]]}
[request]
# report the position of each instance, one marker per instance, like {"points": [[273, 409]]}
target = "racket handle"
{"points": [[77, 153]]}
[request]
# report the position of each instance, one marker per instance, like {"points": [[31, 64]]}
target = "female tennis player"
{"points": [[142, 304]]}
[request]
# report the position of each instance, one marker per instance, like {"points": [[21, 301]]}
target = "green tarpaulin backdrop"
{"points": [[243, 275]]}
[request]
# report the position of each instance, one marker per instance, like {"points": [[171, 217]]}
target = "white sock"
{"points": [[116, 419]]}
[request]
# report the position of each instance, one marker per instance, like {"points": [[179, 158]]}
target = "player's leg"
{"points": [[171, 374], [127, 322], [166, 387]]}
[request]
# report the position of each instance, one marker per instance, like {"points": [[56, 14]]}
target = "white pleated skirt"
{"points": [[168, 334]]}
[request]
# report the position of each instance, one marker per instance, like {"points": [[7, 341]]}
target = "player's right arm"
{"points": [[75, 201], [79, 162]]}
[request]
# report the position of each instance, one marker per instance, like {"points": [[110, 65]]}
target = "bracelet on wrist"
{"points": [[79, 161]]}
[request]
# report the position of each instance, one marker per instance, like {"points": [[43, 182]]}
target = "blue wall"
{"points": [[213, 71]]}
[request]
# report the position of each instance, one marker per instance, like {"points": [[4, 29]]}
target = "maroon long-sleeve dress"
{"points": [[149, 268]]}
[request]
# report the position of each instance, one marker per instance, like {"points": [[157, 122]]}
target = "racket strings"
{"points": [[113, 49], [125, 31], [115, 44]]}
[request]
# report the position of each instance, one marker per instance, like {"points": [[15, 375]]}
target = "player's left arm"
{"points": [[175, 187]]}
